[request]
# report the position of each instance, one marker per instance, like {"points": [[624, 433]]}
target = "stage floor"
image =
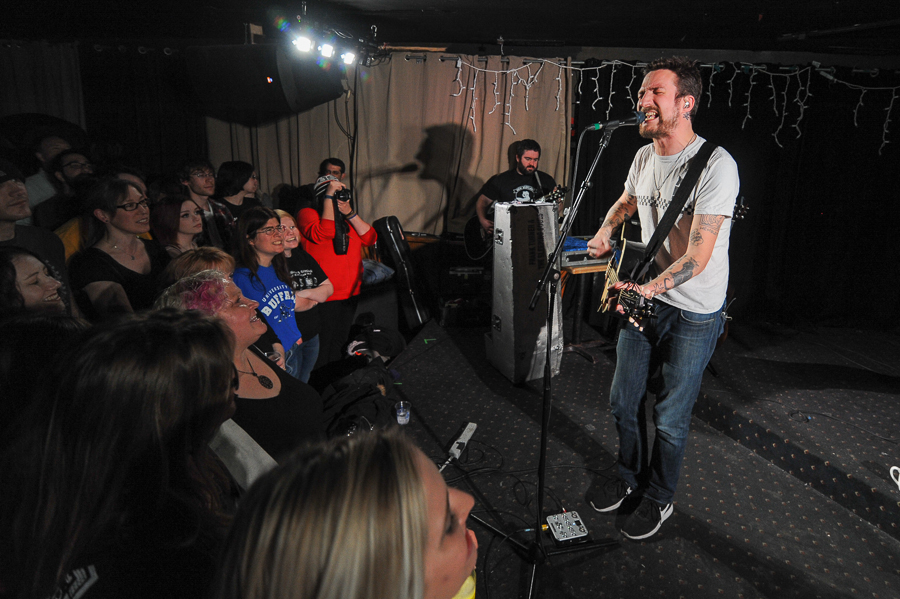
{"points": [[785, 489]]}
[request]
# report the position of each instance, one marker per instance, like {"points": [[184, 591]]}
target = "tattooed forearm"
{"points": [[618, 213], [696, 237], [686, 273], [684, 269], [711, 223]]}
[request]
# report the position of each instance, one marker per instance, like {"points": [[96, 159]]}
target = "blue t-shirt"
{"points": [[276, 301]]}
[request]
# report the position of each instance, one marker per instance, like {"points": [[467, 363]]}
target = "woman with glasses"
{"points": [[176, 222], [262, 275], [117, 271], [236, 187], [311, 288]]}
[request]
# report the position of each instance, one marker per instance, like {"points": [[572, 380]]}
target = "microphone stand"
{"points": [[551, 275]]}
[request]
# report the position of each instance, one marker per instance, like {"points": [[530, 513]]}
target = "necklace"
{"points": [[265, 381], [115, 247], [656, 193]]}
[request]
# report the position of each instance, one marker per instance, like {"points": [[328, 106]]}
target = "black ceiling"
{"points": [[821, 26]]}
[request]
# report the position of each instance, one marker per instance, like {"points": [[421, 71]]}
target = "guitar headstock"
{"points": [[555, 195], [740, 210], [636, 307]]}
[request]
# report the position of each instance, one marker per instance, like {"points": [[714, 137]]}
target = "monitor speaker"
{"points": [[257, 83]]}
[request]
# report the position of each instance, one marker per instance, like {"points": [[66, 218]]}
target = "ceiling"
{"points": [[847, 27]]}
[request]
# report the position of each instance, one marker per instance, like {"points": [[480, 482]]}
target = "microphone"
{"points": [[636, 118]]}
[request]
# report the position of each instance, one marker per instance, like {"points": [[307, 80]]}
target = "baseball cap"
{"points": [[9, 171]]}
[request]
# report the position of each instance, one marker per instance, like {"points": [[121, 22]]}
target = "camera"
{"points": [[343, 195]]}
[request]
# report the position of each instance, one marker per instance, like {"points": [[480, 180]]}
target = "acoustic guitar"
{"points": [[623, 264]]}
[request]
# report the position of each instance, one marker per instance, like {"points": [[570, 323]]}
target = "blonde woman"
{"points": [[355, 518]]}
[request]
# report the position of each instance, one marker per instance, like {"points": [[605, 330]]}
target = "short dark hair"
{"points": [[55, 165], [527, 145], [687, 73], [232, 177], [335, 161], [184, 171]]}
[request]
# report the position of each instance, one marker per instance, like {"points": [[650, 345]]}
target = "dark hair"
{"points": [[184, 171], [247, 226], [55, 165], [165, 216], [11, 299], [232, 177], [104, 196], [687, 75], [115, 443], [23, 344], [527, 145], [335, 161]]}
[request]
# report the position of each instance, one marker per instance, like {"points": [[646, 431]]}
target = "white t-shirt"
{"points": [[714, 193]]}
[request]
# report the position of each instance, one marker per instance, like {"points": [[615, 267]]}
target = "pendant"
{"points": [[265, 381]]}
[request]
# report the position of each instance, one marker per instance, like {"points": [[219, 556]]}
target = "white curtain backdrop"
{"points": [[430, 133]]}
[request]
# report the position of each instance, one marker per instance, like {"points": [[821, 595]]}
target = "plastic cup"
{"points": [[402, 409]]}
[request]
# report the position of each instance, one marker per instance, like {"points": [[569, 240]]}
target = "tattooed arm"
{"points": [[704, 230], [621, 211]]}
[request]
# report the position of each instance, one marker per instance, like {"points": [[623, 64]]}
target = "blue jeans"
{"points": [[300, 359], [682, 343]]}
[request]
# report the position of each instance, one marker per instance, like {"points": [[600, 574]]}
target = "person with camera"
{"points": [[334, 234]]}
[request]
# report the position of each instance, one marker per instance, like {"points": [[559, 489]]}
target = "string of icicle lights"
{"points": [[789, 89]]}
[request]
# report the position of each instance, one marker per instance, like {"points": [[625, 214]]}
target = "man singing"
{"points": [[689, 294]]}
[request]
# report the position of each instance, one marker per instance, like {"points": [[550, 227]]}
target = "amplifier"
{"points": [[524, 236]]}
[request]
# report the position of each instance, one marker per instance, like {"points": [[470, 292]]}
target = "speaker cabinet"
{"points": [[524, 235], [258, 83]]}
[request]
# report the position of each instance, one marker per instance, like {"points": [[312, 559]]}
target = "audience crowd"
{"points": [[156, 342]]}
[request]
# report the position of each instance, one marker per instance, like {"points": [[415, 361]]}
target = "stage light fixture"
{"points": [[348, 57], [303, 43], [327, 50]]}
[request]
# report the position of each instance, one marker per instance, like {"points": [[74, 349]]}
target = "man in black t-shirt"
{"points": [[524, 183]]}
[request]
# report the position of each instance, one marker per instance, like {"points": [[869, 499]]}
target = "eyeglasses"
{"points": [[254, 176], [132, 206], [203, 175], [269, 231], [81, 166]]}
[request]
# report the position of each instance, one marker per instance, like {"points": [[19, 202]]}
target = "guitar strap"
{"points": [[698, 162]]}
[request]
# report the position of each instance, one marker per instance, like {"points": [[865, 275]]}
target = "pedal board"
{"points": [[567, 527]]}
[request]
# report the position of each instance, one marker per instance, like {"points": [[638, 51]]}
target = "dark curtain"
{"points": [[818, 243], [139, 107]]}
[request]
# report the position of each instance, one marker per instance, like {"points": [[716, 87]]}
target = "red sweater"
{"points": [[344, 272]]}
